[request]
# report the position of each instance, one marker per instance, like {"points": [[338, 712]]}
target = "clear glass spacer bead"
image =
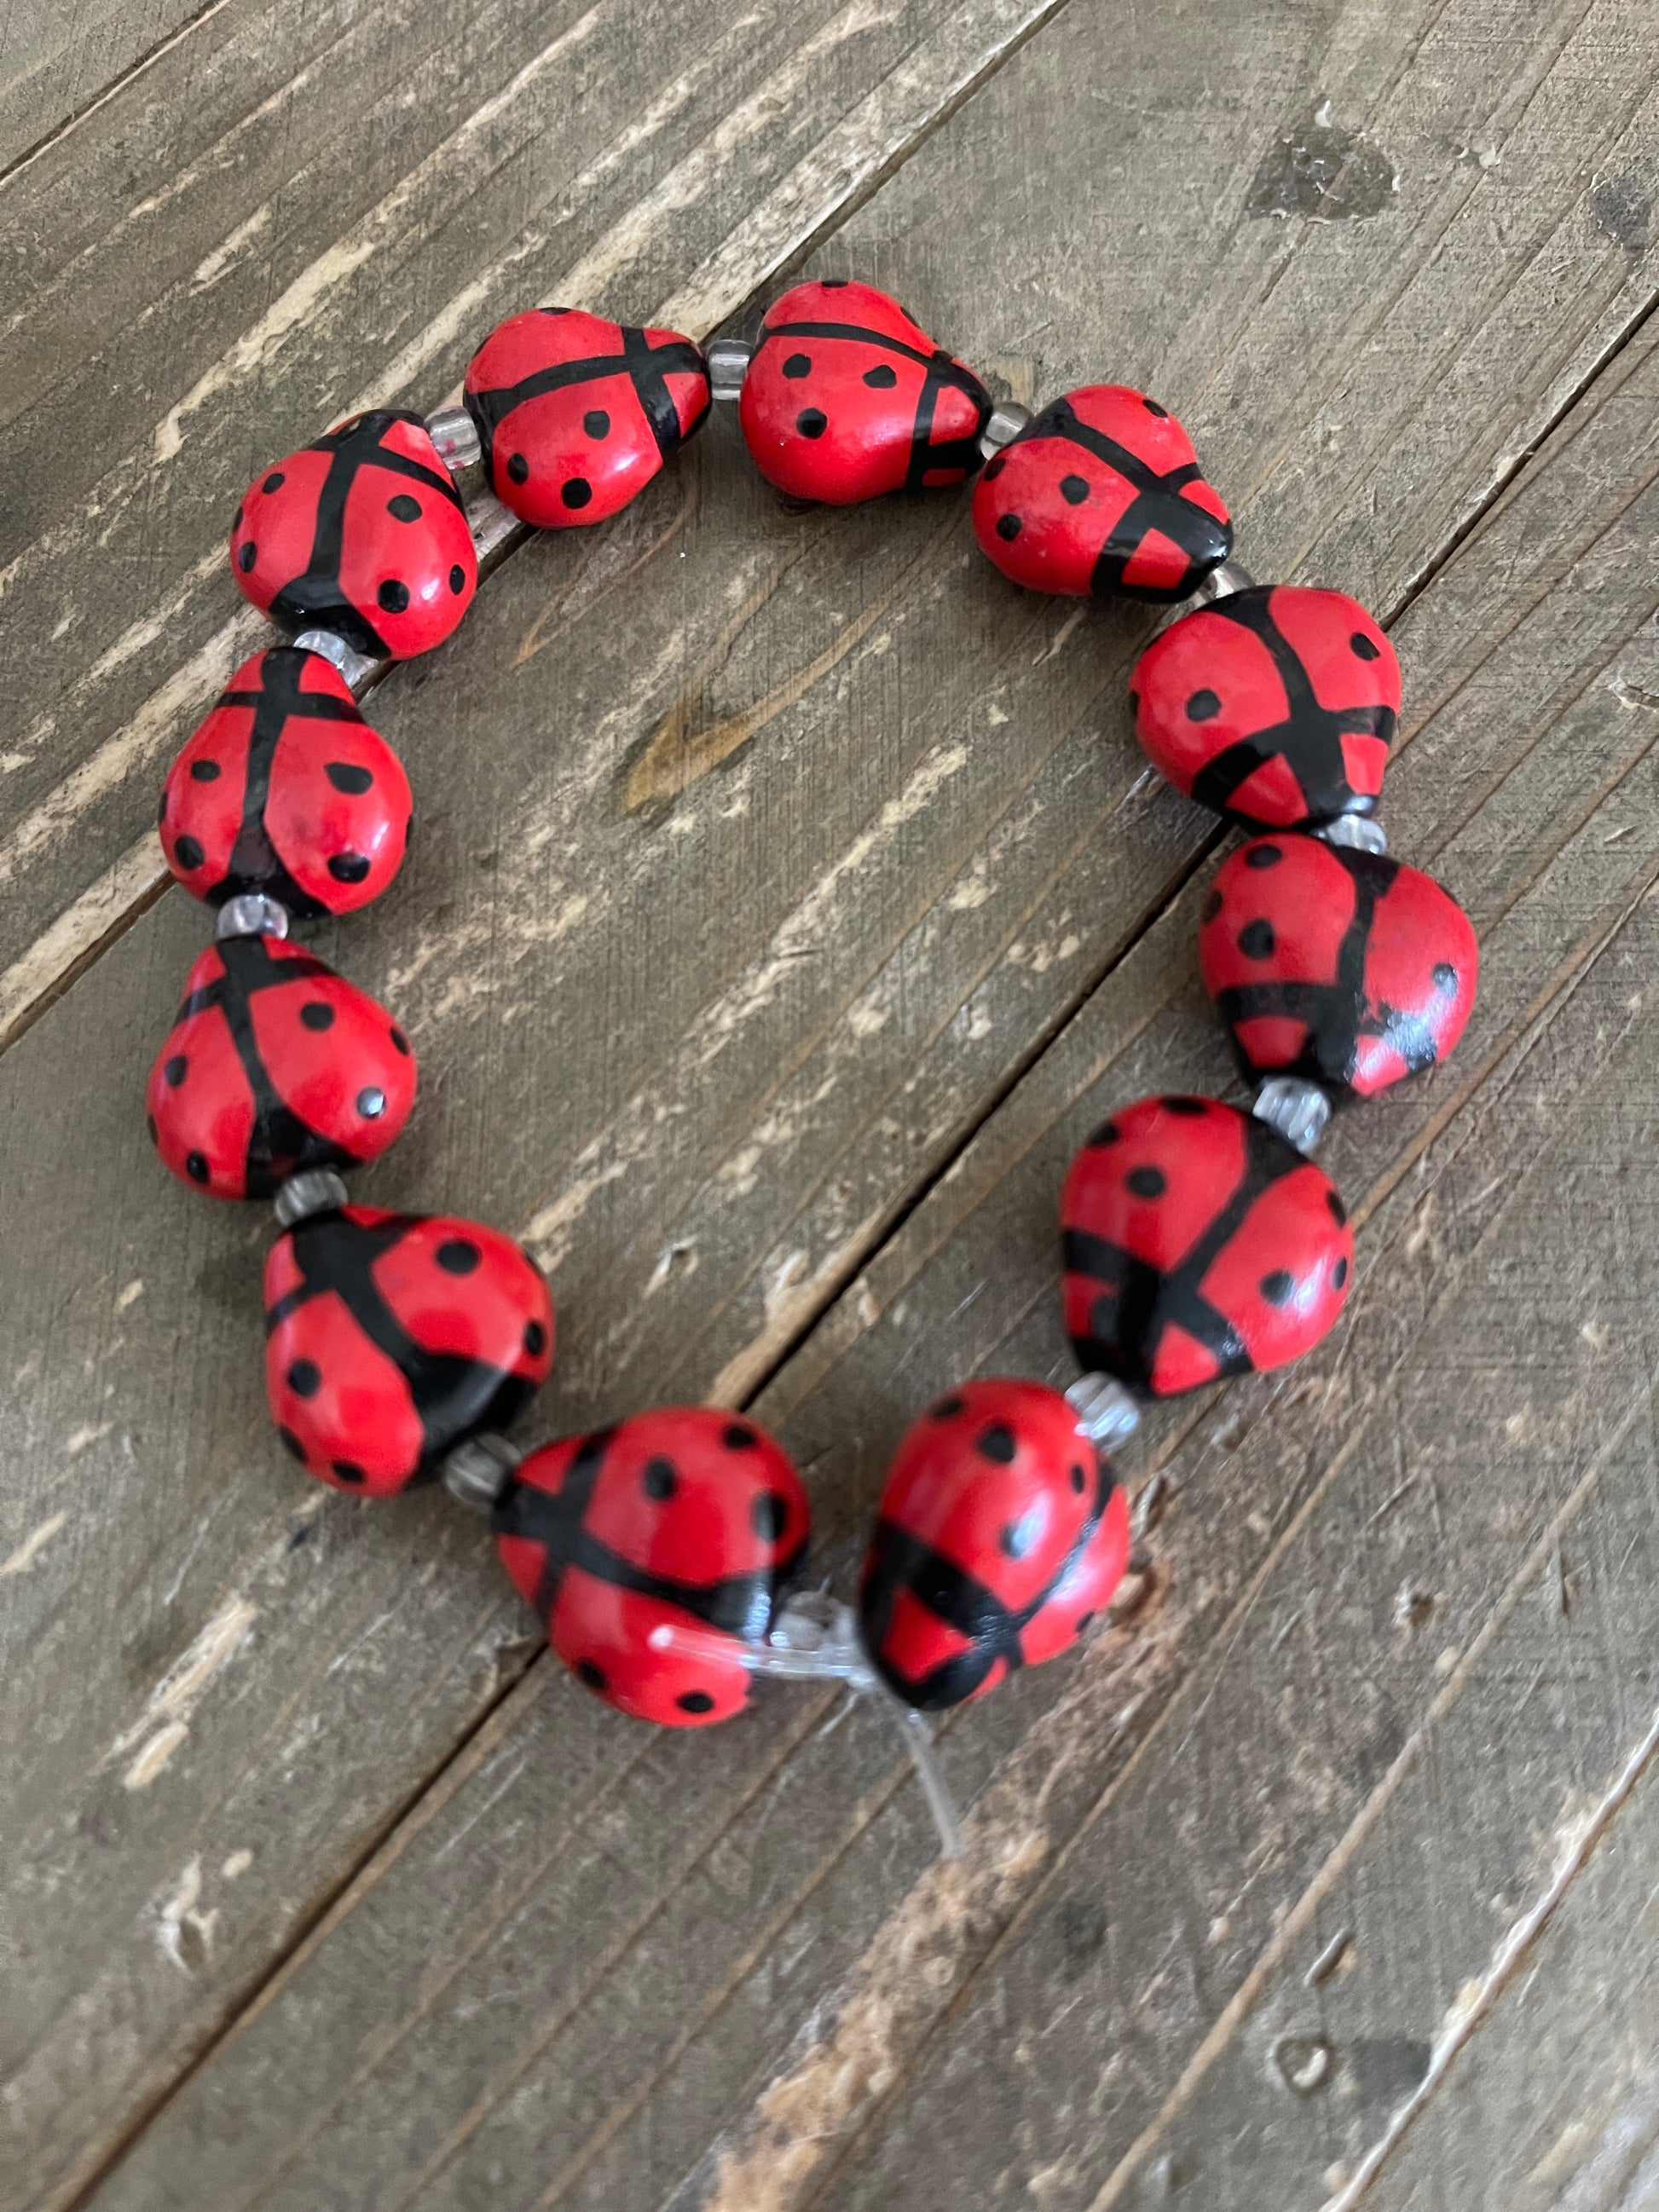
{"points": [[251, 914], [455, 434], [1106, 1412], [728, 363], [1299, 1111], [352, 664], [1002, 426], [477, 1470], [1361, 833], [314, 1190]]}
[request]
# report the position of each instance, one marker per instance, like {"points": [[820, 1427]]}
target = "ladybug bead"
{"points": [[1275, 705], [361, 534], [845, 397], [1001, 1535], [686, 1516], [285, 789], [1198, 1243], [274, 1064], [575, 415], [391, 1337], [1339, 965], [1101, 495]]}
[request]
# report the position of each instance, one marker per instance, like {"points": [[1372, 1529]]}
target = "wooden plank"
{"points": [[57, 62], [284, 221], [641, 1967], [1555, 2101], [898, 943]]}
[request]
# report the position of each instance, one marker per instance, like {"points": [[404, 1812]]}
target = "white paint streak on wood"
{"points": [[155, 1755], [176, 1696], [20, 1561]]}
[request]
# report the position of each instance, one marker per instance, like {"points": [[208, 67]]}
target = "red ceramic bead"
{"points": [[275, 1063], [285, 789], [1275, 705], [1001, 1535], [1341, 966], [1198, 1243], [576, 414], [689, 1516], [391, 1337], [1101, 495], [845, 397], [361, 534]]}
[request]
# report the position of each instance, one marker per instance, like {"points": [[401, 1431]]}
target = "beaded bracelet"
{"points": [[664, 1554]]}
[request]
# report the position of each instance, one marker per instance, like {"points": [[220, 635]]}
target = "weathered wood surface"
{"points": [[57, 61], [749, 882]]}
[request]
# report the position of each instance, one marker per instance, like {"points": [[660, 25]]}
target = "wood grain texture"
{"points": [[56, 62], [748, 881]]}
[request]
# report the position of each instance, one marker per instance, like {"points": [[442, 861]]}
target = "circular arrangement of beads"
{"points": [[663, 1554]]}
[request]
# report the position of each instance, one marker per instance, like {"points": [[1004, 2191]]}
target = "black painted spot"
{"points": [[1107, 1133], [1444, 975], [518, 468], [1153, 407], [175, 1070], [404, 506], [305, 1378], [798, 365], [694, 1701], [1256, 939], [738, 1438], [317, 1014], [274, 482], [1189, 1109], [1074, 490], [458, 579], [458, 1255], [196, 1167], [291, 1444], [1277, 1286], [1085, 1621], [576, 492], [660, 1480], [154, 1133], [881, 378], [1147, 1183], [393, 596], [591, 1672], [188, 854], [1264, 856], [947, 1409], [994, 469], [834, 283], [597, 422], [1212, 906], [1338, 1275], [348, 868], [246, 557], [348, 1470], [1008, 528], [997, 1443], [1339, 1212], [1365, 648], [769, 1516], [346, 775], [371, 1102], [399, 1041], [204, 771], [161, 811], [535, 1339], [1202, 706], [812, 422], [1080, 1480]]}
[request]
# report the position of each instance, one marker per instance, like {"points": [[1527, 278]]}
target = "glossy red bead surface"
{"points": [[1342, 966], [1101, 495], [391, 1337], [689, 1516], [576, 414], [361, 534], [1000, 1536], [285, 789], [1276, 705], [845, 397], [1198, 1243], [275, 1063]]}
